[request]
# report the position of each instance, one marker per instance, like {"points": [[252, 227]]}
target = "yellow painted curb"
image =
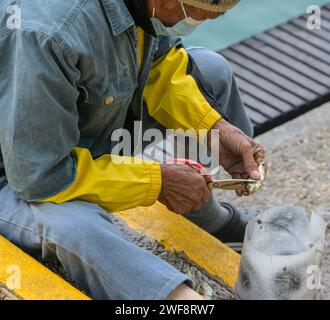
{"points": [[178, 234], [30, 280]]}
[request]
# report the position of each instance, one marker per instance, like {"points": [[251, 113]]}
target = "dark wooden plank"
{"points": [[300, 44], [260, 107], [294, 52], [321, 33], [325, 25], [267, 74], [274, 105], [291, 63], [266, 85], [256, 117], [304, 35], [281, 69], [325, 12]]}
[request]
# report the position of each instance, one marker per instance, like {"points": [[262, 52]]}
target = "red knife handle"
{"points": [[192, 163]]}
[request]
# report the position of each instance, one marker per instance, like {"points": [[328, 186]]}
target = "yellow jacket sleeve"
{"points": [[115, 183], [173, 96]]}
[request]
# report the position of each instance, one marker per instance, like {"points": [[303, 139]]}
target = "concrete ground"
{"points": [[299, 171], [208, 286]]}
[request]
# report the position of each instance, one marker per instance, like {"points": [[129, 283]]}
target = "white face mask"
{"points": [[182, 28]]}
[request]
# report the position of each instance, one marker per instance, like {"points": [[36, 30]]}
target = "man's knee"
{"points": [[215, 69], [218, 74], [220, 67], [74, 221]]}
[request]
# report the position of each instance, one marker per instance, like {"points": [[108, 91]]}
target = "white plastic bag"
{"points": [[281, 256]]}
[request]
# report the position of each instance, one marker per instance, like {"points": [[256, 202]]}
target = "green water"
{"points": [[248, 18]]}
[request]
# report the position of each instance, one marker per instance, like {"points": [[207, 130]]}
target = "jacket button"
{"points": [[109, 100]]}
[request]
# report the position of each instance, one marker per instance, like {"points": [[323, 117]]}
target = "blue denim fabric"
{"points": [[56, 72], [97, 257]]}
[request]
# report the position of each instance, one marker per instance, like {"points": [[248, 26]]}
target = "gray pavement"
{"points": [[299, 171]]}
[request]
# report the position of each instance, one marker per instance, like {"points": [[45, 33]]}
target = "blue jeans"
{"points": [[81, 236]]}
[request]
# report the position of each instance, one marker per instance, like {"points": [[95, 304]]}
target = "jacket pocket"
{"points": [[104, 108], [116, 91]]}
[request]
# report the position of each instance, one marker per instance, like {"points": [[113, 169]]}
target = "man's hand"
{"points": [[183, 188], [239, 155]]}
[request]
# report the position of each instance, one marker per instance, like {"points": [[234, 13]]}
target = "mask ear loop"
{"points": [[183, 9], [153, 10]]}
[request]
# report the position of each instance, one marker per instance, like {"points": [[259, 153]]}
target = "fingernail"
{"points": [[255, 175]]}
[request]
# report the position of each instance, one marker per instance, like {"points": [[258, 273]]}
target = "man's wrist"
{"points": [[215, 131]]}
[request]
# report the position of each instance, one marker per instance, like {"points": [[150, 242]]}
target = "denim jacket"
{"points": [[69, 76], [88, 49]]}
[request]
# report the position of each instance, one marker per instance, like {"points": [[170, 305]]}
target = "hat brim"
{"points": [[207, 5]]}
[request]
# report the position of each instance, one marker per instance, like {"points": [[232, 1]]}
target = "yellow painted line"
{"points": [[178, 234], [30, 280]]}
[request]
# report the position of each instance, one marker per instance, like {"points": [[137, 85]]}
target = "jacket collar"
{"points": [[119, 17], [139, 12]]}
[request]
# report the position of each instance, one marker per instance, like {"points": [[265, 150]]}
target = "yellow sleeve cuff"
{"points": [[115, 183], [209, 120], [155, 185]]}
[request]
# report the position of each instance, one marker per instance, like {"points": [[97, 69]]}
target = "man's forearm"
{"points": [[115, 183]]}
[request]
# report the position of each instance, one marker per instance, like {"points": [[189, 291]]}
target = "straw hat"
{"points": [[212, 5]]}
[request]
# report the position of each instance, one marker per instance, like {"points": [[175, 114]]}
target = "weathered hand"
{"points": [[239, 155], [183, 188]]}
